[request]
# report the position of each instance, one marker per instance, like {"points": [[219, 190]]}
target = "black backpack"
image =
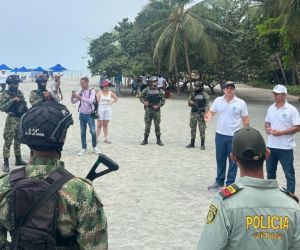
{"points": [[94, 111], [33, 206]]}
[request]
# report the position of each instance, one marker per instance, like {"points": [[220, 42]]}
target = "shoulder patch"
{"points": [[284, 190], [212, 214], [229, 190]]}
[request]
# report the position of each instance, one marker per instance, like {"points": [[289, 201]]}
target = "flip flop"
{"points": [[107, 141]]}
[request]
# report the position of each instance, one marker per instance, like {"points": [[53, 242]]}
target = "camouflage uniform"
{"points": [[36, 97], [80, 210], [12, 122], [153, 97], [201, 106]]}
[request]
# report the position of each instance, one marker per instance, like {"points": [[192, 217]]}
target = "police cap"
{"points": [[13, 79], [153, 79], [44, 126]]}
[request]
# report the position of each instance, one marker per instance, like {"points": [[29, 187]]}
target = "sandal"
{"points": [[107, 141]]}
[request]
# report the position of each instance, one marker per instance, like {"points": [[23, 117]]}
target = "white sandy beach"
{"points": [[158, 199]]}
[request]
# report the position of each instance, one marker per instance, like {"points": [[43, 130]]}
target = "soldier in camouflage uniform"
{"points": [[153, 99], [13, 103], [41, 94], [80, 211], [199, 103]]}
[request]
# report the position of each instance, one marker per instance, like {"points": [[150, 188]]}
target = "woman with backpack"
{"points": [[105, 99]]}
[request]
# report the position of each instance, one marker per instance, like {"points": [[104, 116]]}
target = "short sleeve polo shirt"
{"points": [[230, 114], [281, 119]]}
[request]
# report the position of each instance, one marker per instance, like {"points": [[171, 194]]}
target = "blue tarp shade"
{"points": [[23, 69], [4, 67], [15, 70], [39, 69], [57, 68]]}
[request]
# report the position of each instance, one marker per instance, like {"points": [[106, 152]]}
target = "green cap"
{"points": [[248, 144]]}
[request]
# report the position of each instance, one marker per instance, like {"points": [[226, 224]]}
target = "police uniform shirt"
{"points": [[256, 215], [230, 114], [281, 119]]}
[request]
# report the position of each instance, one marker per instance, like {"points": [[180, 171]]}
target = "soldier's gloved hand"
{"points": [[46, 94], [16, 99], [191, 103], [155, 106], [146, 103]]}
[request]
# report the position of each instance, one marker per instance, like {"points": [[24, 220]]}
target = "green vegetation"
{"points": [[240, 40]]}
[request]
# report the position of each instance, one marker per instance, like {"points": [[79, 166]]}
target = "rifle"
{"points": [[109, 163]]}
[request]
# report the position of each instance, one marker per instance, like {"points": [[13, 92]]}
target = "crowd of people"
{"points": [[249, 207]]}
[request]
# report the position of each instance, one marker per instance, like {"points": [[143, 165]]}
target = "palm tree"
{"points": [[176, 27]]}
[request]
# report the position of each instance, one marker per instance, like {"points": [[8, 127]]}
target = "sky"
{"points": [[46, 32]]}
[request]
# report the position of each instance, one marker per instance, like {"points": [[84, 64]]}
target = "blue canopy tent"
{"points": [[4, 67], [39, 69], [57, 68], [15, 70], [23, 70]]}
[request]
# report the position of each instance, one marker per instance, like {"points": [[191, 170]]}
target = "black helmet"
{"points": [[44, 127], [13, 79], [153, 79], [41, 79]]}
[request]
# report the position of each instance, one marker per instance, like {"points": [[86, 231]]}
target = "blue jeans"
{"points": [[286, 158], [223, 150], [84, 121]]}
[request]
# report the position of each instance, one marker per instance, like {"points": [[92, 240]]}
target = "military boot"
{"points": [[5, 167], [19, 161], [145, 141], [202, 144], [159, 142], [192, 144]]}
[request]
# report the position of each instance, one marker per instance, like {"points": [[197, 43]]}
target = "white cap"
{"points": [[279, 89]]}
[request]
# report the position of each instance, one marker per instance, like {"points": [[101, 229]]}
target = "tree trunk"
{"points": [[281, 68], [187, 60], [296, 73], [177, 80]]}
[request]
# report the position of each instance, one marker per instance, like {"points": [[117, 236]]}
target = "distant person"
{"points": [[86, 98], [118, 82], [3, 77], [134, 86], [41, 94], [13, 103], [144, 84], [282, 123], [161, 83], [55, 88], [233, 114], [253, 213], [105, 99]]}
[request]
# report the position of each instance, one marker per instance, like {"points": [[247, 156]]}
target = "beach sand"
{"points": [[158, 199]]}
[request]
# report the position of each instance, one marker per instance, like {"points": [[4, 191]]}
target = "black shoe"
{"points": [[159, 142], [145, 141], [19, 161], [215, 185], [192, 144], [5, 167], [202, 145]]}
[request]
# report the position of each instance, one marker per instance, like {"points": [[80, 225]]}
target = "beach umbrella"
{"points": [[39, 69], [4, 67], [57, 68]]}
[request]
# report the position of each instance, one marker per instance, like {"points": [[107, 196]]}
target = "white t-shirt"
{"points": [[282, 119], [160, 82], [230, 114], [3, 78]]}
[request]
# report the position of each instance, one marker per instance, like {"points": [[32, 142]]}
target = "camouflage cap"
{"points": [[248, 144]]}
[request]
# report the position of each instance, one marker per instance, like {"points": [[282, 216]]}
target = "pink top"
{"points": [[87, 98]]}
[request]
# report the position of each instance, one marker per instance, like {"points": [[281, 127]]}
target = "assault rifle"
{"points": [[106, 161]]}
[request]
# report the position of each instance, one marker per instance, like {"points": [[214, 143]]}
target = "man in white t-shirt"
{"points": [[3, 77], [281, 124], [161, 82], [233, 114]]}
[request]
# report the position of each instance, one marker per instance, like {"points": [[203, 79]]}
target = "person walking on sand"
{"points": [[105, 99]]}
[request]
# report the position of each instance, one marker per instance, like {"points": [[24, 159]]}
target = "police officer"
{"points": [[40, 94], [153, 99], [252, 213], [199, 103], [13, 103], [80, 212]]}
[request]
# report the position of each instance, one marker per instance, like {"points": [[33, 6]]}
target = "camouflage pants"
{"points": [[194, 118], [150, 115], [10, 134]]}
